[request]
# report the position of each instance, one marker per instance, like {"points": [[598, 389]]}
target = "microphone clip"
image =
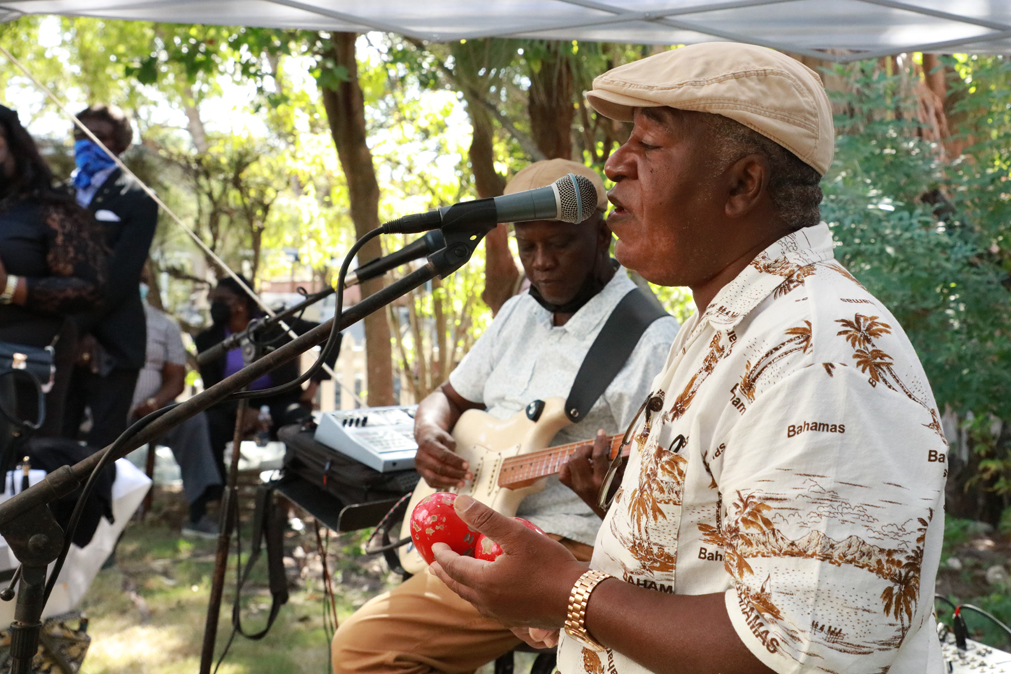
{"points": [[463, 226]]}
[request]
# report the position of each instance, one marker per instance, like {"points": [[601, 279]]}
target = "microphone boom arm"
{"points": [[463, 234]]}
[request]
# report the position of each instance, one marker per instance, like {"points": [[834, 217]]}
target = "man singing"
{"points": [[532, 351], [782, 509]]}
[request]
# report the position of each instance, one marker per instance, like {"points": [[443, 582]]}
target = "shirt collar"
{"points": [[792, 256], [595, 310], [85, 196]]}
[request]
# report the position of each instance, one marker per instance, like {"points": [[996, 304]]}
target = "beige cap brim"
{"points": [[616, 106], [767, 91]]}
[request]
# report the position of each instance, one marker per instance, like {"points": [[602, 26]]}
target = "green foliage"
{"points": [[919, 233], [957, 532]]}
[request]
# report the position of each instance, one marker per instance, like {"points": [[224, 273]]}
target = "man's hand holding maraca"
{"points": [[527, 586]]}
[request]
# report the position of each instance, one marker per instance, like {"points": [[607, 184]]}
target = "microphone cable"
{"points": [[89, 486], [334, 329]]}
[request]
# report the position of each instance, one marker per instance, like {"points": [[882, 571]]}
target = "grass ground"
{"points": [[148, 611]]}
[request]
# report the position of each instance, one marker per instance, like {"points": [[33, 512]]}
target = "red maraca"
{"points": [[434, 520], [488, 550]]}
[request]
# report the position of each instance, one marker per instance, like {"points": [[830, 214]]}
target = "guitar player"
{"points": [[531, 351]]}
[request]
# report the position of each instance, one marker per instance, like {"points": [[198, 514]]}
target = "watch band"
{"points": [[575, 625], [7, 296]]}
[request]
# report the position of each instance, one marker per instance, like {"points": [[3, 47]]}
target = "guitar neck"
{"points": [[517, 470]]}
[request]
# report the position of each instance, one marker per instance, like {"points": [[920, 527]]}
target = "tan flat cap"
{"points": [[775, 95], [544, 173]]}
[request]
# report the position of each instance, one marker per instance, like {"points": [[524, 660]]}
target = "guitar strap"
{"points": [[609, 351]]}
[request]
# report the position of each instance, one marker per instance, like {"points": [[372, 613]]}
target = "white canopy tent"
{"points": [[837, 30]]}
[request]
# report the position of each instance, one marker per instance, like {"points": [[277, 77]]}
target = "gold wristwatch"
{"points": [[575, 625]]}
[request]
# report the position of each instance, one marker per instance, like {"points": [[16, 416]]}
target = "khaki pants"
{"points": [[422, 626]]}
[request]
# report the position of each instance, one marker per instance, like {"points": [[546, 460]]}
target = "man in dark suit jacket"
{"points": [[114, 339]]}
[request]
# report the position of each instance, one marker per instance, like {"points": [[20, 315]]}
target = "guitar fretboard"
{"points": [[518, 469]]}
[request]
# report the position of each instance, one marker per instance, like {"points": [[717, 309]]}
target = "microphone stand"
{"points": [[228, 520], [236, 340], [26, 522]]}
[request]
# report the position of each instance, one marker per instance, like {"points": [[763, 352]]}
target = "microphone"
{"points": [[571, 198], [422, 247]]}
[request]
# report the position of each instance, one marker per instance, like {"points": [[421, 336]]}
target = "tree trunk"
{"points": [[500, 271], [551, 104], [194, 124], [345, 109], [958, 134]]}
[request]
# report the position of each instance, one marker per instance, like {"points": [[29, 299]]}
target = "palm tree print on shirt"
{"points": [[900, 598], [751, 532], [717, 352], [799, 341], [861, 334], [661, 482]]}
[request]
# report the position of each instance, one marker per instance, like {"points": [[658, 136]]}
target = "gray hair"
{"points": [[793, 185]]}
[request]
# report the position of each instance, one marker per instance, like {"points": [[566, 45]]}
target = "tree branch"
{"points": [[525, 141]]}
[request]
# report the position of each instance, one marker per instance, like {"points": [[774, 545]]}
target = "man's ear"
{"points": [[748, 179]]}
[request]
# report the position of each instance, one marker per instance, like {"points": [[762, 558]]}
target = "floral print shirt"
{"points": [[793, 459]]}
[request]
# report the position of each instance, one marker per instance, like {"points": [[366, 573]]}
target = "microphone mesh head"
{"points": [[576, 206]]}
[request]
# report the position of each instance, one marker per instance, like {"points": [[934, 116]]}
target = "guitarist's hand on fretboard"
{"points": [[436, 460], [585, 470]]}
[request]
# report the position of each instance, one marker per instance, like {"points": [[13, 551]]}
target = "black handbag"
{"points": [[38, 361], [22, 368]]}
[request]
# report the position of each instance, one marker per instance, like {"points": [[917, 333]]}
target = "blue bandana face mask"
{"points": [[90, 160]]}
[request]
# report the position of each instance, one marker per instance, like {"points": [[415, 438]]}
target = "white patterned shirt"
{"points": [[797, 465], [523, 357]]}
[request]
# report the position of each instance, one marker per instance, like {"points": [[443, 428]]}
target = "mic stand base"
{"points": [[36, 540]]}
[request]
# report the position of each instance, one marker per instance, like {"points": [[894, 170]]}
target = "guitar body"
{"points": [[485, 442]]}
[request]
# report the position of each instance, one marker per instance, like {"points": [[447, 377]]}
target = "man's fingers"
{"points": [[448, 441], [537, 638], [601, 454], [439, 466], [452, 460], [459, 573], [450, 582], [549, 638], [501, 529], [601, 446]]}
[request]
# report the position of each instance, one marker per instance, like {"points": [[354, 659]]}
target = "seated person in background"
{"points": [[52, 264], [532, 351], [112, 342], [159, 383], [232, 309]]}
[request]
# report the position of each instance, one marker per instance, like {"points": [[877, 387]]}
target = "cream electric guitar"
{"points": [[507, 458]]}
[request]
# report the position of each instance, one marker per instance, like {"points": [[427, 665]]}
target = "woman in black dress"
{"points": [[52, 261]]}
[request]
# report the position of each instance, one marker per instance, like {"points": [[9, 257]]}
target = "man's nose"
{"points": [[544, 259], [620, 165]]}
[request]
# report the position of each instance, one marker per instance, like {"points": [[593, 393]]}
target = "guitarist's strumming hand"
{"points": [[585, 470], [527, 586], [435, 417], [435, 460]]}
